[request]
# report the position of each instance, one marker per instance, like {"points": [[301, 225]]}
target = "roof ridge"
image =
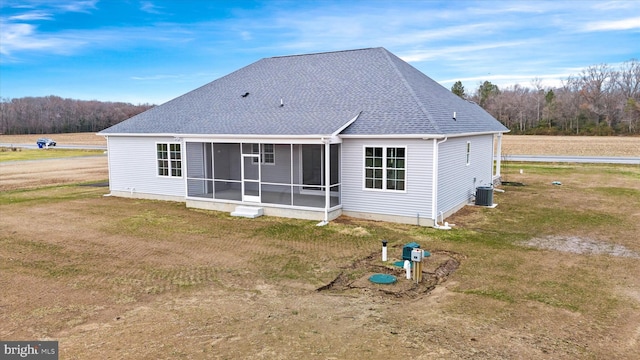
{"points": [[323, 52], [410, 88]]}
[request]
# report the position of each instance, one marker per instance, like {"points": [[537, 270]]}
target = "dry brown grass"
{"points": [[38, 173]]}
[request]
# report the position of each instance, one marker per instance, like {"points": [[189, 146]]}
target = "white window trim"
{"points": [[182, 163], [384, 168], [468, 153], [255, 161]]}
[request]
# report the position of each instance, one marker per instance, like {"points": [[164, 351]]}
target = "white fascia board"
{"points": [[476, 133], [346, 125], [274, 139], [419, 136], [394, 136]]}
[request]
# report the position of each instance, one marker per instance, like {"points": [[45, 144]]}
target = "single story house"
{"points": [[358, 132]]}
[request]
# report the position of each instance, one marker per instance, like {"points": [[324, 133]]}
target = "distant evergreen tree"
{"points": [[486, 91], [458, 89]]}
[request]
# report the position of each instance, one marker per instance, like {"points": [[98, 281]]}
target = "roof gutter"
{"points": [[307, 136], [224, 136], [419, 136]]}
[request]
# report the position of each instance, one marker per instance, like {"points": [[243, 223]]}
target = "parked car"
{"points": [[45, 142]]}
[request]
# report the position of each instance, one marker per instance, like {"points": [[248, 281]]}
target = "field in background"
{"points": [[16, 175], [511, 144], [571, 145], [61, 139]]}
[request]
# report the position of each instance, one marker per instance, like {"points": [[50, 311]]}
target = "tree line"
{"points": [[600, 100], [53, 114]]}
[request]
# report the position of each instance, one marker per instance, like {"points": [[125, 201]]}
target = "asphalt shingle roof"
{"points": [[321, 93]]}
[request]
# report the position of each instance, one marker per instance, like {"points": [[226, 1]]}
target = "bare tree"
{"points": [[53, 114], [600, 100]]}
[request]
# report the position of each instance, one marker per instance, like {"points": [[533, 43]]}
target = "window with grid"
{"points": [[395, 168], [385, 168], [267, 153], [373, 168], [169, 159]]}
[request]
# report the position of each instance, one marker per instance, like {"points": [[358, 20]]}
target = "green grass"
{"points": [[491, 293], [49, 194], [618, 192], [6, 154]]}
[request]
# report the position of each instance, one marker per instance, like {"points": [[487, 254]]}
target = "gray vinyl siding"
{"points": [[457, 181], [196, 169], [195, 154], [227, 167], [280, 171], [133, 167], [417, 198]]}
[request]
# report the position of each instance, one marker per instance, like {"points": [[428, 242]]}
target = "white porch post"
{"points": [[327, 179], [499, 158]]}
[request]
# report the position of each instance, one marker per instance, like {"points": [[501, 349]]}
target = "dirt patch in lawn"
{"points": [[436, 269], [578, 245]]}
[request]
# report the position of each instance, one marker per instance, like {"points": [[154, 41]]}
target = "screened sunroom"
{"points": [[299, 176]]}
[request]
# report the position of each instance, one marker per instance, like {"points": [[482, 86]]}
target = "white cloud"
{"points": [[31, 16], [78, 6], [187, 77], [613, 25], [155, 77], [149, 7], [17, 37], [522, 79], [424, 55], [613, 5]]}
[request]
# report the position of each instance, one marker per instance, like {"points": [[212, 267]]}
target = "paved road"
{"points": [[58, 146], [573, 159]]}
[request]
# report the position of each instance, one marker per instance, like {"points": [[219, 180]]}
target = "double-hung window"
{"points": [[468, 152], [267, 153], [385, 168], [169, 159]]}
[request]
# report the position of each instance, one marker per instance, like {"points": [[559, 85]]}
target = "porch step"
{"points": [[248, 211]]}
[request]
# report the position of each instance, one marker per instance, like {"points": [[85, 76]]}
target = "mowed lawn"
{"points": [[550, 273]]}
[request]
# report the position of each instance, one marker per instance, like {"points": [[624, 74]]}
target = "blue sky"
{"points": [[153, 51]]}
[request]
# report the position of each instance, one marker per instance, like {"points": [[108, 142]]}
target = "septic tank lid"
{"points": [[382, 279]]}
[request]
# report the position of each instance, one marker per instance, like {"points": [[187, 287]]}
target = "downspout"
{"points": [[434, 197], [109, 166]]}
